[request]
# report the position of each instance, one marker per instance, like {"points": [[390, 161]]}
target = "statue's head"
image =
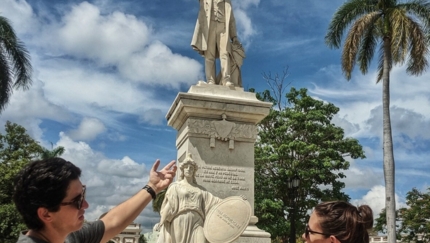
{"points": [[188, 161]]}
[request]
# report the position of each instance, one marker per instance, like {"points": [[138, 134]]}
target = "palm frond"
{"points": [[5, 80], [418, 8], [22, 65], [417, 62], [344, 16], [17, 54], [399, 35], [368, 44], [352, 42]]}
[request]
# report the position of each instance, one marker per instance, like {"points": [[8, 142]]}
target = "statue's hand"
{"points": [[235, 40], [243, 197]]}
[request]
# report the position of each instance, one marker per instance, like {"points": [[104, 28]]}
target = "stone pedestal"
{"points": [[217, 125]]}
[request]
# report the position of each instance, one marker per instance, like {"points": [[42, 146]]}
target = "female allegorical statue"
{"points": [[184, 208]]}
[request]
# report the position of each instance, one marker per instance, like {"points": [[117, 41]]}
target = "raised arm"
{"points": [[118, 218]]}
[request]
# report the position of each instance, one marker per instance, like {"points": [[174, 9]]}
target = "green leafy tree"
{"points": [[401, 30], [416, 218], [142, 239], [156, 204], [17, 148], [299, 161], [413, 222], [15, 67]]}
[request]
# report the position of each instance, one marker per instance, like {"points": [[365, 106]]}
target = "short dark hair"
{"points": [[348, 223], [42, 183]]}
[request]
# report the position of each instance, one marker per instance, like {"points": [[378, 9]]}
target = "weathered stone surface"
{"points": [[211, 101], [217, 125], [227, 220]]}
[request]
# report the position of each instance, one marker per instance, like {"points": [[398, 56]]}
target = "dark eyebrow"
{"points": [[78, 196]]}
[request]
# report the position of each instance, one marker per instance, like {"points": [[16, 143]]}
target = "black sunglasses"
{"points": [[307, 231], [78, 201]]}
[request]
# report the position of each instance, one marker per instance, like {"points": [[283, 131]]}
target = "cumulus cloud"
{"points": [[88, 130], [360, 103], [375, 198], [152, 116], [157, 65], [362, 177], [124, 42], [403, 122], [244, 24], [92, 62], [29, 108], [32, 103], [125, 167], [348, 127], [244, 4], [109, 39], [21, 15]]}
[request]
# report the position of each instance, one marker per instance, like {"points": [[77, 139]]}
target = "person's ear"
{"points": [[333, 239], [44, 215]]}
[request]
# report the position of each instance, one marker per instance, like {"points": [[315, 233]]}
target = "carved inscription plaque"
{"points": [[234, 177], [227, 220]]}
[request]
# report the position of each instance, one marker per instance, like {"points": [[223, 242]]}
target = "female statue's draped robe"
{"points": [[183, 213]]}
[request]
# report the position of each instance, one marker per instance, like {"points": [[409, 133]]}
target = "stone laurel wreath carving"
{"points": [[222, 130]]}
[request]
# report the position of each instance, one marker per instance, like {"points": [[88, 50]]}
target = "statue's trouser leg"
{"points": [[210, 53], [224, 57]]}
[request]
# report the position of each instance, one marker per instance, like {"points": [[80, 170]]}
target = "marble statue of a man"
{"points": [[213, 36]]}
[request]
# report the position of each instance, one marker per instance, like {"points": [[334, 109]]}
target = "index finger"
{"points": [[170, 165], [155, 165]]}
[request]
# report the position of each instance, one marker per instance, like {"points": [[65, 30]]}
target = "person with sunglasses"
{"points": [[51, 199], [339, 222]]}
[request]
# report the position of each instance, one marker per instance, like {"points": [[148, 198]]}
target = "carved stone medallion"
{"points": [[227, 220]]}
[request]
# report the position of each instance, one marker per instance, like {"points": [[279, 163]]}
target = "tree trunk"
{"points": [[389, 167]]}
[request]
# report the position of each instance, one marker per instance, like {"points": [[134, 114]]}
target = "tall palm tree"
{"points": [[401, 31], [15, 67]]}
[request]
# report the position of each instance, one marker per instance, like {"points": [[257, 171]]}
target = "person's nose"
{"points": [[85, 204], [304, 237]]}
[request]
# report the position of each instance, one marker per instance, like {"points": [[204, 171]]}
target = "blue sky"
{"points": [[106, 73]]}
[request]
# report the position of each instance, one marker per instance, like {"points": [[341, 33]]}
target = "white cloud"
{"points": [[157, 65], [403, 122], [375, 198], [244, 25], [152, 116], [88, 130], [349, 128], [120, 41], [32, 103], [360, 102], [245, 4], [91, 93], [125, 167], [107, 38], [362, 177], [30, 107], [20, 14]]}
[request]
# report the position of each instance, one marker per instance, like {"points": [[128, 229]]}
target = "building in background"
{"points": [[130, 234]]}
